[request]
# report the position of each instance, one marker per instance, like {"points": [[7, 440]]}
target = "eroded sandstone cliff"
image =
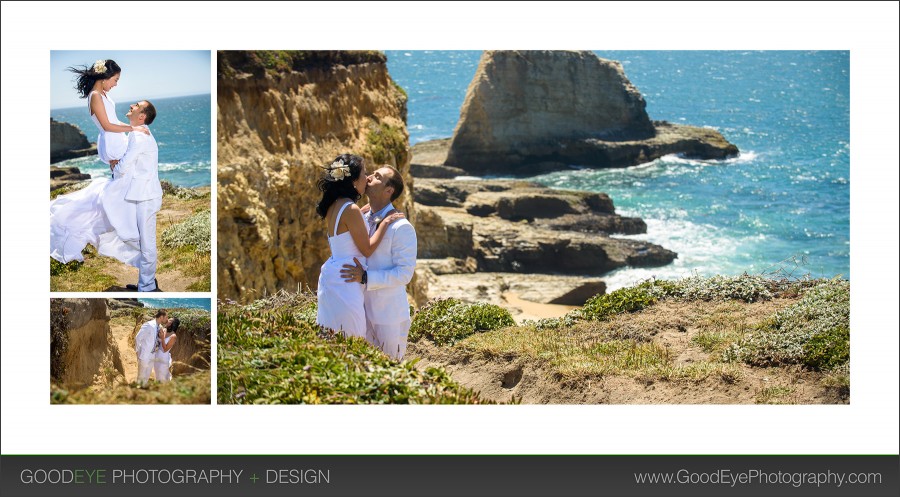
{"points": [[281, 117], [82, 346]]}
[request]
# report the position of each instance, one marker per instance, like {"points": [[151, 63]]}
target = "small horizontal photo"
{"points": [[130, 351]]}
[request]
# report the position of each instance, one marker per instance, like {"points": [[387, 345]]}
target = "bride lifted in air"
{"points": [[99, 214]]}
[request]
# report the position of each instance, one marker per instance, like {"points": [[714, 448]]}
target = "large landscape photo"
{"points": [[606, 227]]}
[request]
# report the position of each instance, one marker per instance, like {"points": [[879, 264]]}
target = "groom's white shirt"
{"points": [[390, 269], [145, 191], [145, 340], [142, 155]]}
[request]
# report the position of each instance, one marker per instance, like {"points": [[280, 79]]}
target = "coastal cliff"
{"points": [[281, 117], [81, 343], [529, 112]]}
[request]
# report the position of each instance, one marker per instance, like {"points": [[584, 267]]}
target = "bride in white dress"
{"points": [[99, 214], [340, 304], [162, 358]]}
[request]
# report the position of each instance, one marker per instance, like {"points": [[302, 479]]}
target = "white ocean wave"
{"points": [[184, 166], [702, 249]]}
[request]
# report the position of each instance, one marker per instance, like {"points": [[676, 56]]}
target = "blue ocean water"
{"points": [[181, 130], [785, 198], [172, 303]]}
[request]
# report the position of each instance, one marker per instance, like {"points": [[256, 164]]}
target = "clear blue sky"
{"points": [[145, 74]]}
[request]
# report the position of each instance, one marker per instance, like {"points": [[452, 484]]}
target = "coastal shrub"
{"points": [[124, 312], [270, 353], [168, 187], [195, 322], [59, 338], [68, 188], [57, 268], [385, 143], [814, 332], [193, 231], [828, 349], [600, 307], [400, 89], [445, 321], [746, 287], [276, 62], [603, 306], [183, 193], [661, 289], [180, 192], [568, 320]]}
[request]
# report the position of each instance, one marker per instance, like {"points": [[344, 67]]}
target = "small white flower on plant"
{"points": [[100, 66], [339, 171]]}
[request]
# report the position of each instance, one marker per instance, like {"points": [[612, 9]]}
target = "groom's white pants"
{"points": [[146, 219], [144, 369], [390, 338]]}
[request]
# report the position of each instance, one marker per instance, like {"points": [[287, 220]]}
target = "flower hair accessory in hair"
{"points": [[100, 66], [338, 171]]}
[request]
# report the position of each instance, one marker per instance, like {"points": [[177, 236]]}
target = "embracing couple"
{"points": [[362, 286], [117, 215], [153, 345]]}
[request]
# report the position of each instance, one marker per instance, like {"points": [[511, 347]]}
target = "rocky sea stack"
{"points": [[528, 112], [68, 142]]}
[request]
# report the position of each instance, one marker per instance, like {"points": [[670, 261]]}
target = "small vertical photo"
{"points": [[130, 351], [130, 148]]}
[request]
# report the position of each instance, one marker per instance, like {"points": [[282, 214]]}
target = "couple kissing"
{"points": [[362, 286]]}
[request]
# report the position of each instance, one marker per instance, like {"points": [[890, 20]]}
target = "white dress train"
{"points": [[341, 304]]}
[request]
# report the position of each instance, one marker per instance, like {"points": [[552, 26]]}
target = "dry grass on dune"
{"points": [[697, 342]]}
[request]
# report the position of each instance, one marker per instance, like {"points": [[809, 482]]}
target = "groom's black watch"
{"points": [[365, 278]]}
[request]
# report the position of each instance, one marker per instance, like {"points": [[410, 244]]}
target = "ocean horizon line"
{"points": [[52, 109]]}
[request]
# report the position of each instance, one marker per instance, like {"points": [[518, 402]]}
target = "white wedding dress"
{"points": [[162, 361], [341, 305], [98, 214]]}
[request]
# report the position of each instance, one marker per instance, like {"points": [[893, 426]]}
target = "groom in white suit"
{"points": [[145, 344], [390, 267], [145, 191]]}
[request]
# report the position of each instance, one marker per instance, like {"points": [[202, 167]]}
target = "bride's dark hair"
{"points": [[86, 76], [333, 188]]}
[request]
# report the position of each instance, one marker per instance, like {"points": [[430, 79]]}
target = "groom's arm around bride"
{"points": [[390, 268]]}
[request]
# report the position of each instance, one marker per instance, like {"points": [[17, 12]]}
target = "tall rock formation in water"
{"points": [[281, 117], [68, 142], [533, 111]]}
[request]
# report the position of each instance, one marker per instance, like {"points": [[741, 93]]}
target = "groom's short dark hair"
{"points": [[395, 181], [149, 112], [160, 313]]}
